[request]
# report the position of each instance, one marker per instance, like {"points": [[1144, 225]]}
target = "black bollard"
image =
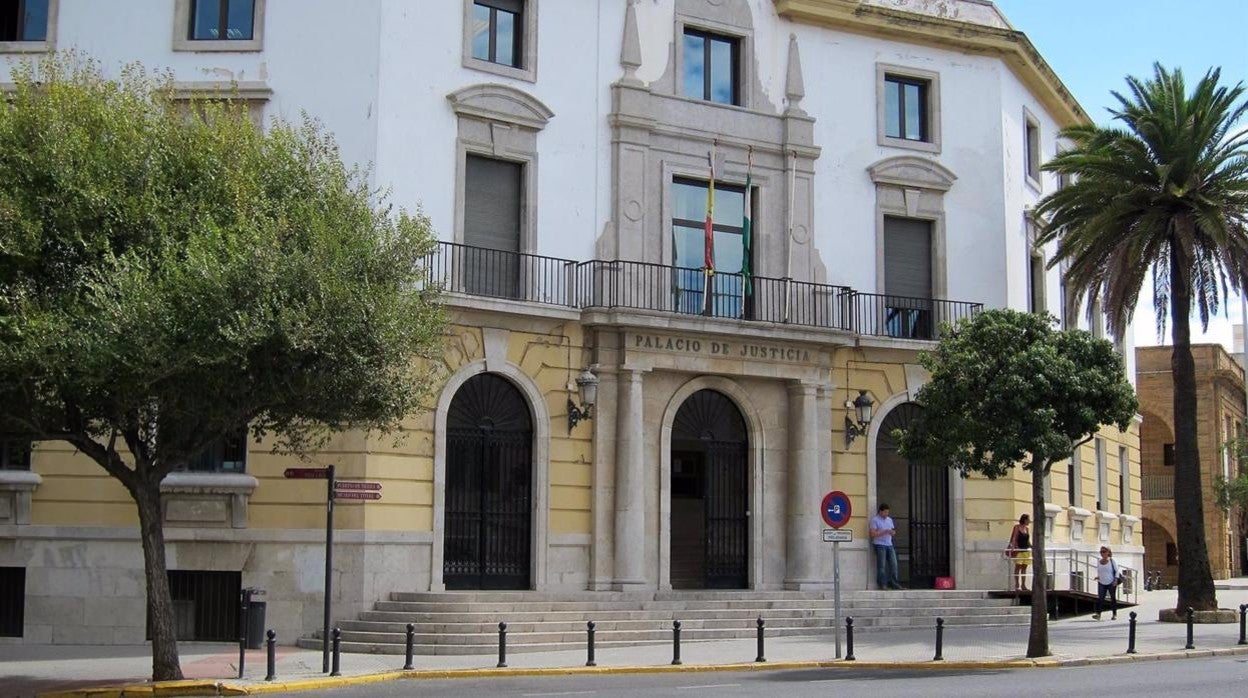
{"points": [[1131, 633], [676, 642], [760, 657], [589, 644], [337, 650], [1191, 614], [411, 640], [502, 645], [1243, 614], [849, 639], [940, 640], [271, 651]]}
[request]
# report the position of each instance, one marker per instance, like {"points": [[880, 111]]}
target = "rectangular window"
{"points": [[493, 191], [12, 601], [1124, 480], [711, 67], [908, 278], [23, 20], [689, 199], [222, 20], [497, 31], [1102, 476], [1035, 282], [1032, 146], [1074, 484], [906, 108], [227, 455], [205, 605], [14, 454], [1172, 555], [1167, 454]]}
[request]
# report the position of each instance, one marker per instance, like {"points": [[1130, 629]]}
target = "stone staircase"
{"points": [[467, 622]]}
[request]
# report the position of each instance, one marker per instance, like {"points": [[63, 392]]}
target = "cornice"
{"points": [[1011, 46]]}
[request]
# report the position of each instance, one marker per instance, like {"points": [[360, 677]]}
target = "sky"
{"points": [[1094, 44]]}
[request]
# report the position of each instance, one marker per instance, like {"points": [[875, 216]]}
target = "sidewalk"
{"points": [[30, 669]]}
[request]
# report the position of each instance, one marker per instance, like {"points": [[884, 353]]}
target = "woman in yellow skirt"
{"points": [[1020, 551]]}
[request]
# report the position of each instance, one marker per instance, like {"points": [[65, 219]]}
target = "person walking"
{"points": [[882, 529], [1108, 577], [1020, 551]]}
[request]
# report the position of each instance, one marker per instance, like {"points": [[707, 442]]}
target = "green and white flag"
{"points": [[747, 281]]}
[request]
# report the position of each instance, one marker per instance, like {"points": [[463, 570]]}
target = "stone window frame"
{"points": [[1037, 297], [908, 186], [255, 95], [183, 42], [1033, 151], [49, 40], [528, 46], [1102, 473], [744, 35], [500, 122], [933, 144]]}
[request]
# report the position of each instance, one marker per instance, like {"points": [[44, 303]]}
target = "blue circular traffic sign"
{"points": [[836, 509]]}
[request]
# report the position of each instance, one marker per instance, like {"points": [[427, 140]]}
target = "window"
{"points": [[689, 199], [205, 605], [24, 20], [493, 190], [1167, 454], [500, 37], [218, 25], [1124, 480], [14, 454], [1102, 476], [905, 108], [1031, 147], [711, 66], [1074, 483], [1172, 555], [497, 31], [226, 455], [222, 20], [908, 278], [12, 601], [1035, 282]]}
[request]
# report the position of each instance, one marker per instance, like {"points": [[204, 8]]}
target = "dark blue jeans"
{"points": [[1112, 591], [886, 574]]}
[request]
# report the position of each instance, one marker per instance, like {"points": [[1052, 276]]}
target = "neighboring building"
{"points": [[889, 152], [1219, 418]]}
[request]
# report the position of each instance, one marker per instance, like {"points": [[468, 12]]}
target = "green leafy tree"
{"points": [[1006, 389], [1232, 495], [1164, 189], [167, 279]]}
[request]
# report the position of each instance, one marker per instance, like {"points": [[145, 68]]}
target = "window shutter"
{"points": [[515, 6], [492, 204], [907, 257]]}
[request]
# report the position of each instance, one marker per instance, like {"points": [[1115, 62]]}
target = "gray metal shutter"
{"points": [[492, 204], [907, 257]]}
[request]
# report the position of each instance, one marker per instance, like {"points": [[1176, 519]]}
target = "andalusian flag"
{"points": [[708, 254], [747, 281]]}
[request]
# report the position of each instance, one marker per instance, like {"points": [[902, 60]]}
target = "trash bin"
{"points": [[255, 625]]}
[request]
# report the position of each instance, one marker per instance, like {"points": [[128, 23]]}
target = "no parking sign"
{"points": [[836, 509]]}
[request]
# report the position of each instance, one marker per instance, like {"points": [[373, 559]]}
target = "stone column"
{"points": [[804, 539], [630, 475]]}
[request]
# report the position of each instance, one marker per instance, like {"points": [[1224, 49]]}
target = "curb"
{"points": [[228, 688]]}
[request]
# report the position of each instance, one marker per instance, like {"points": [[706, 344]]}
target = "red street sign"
{"points": [[339, 494], [307, 473], [356, 485]]}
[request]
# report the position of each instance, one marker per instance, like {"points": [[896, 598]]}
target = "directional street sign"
{"points": [[836, 535], [356, 485], [307, 473], [836, 509], [352, 494]]}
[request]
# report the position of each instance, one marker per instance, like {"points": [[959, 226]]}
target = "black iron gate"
{"points": [[488, 487], [922, 511], [710, 431]]}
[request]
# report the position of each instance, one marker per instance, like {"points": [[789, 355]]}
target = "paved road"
{"points": [[1207, 678]]}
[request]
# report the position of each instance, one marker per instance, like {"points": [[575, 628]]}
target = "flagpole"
{"points": [[747, 269], [708, 243]]}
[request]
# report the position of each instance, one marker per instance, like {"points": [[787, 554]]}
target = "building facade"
{"points": [[886, 154], [1219, 418]]}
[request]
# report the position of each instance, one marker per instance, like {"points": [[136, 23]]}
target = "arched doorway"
{"points": [[710, 494], [489, 471], [918, 494]]}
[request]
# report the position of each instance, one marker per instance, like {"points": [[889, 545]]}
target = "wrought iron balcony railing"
{"points": [[603, 284], [1158, 486]]}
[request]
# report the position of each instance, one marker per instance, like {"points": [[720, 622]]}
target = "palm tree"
{"points": [[1163, 190]]}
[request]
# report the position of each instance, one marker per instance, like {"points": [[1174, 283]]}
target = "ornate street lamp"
{"points": [[587, 386], [862, 411]]}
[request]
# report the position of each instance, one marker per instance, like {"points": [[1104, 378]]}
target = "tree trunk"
{"points": [[160, 622], [1195, 575], [1038, 638]]}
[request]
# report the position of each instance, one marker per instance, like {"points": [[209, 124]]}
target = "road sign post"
{"points": [[836, 509]]}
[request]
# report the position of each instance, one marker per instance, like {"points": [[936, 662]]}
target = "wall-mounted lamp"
{"points": [[861, 406], [587, 386]]}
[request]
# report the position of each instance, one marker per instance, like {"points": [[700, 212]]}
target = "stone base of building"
{"points": [[1221, 615]]}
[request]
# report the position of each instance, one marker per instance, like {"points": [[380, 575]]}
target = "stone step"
{"points": [[669, 595], [742, 604], [579, 626]]}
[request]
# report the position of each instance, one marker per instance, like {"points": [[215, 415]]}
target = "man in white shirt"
{"points": [[1107, 576], [882, 529]]}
